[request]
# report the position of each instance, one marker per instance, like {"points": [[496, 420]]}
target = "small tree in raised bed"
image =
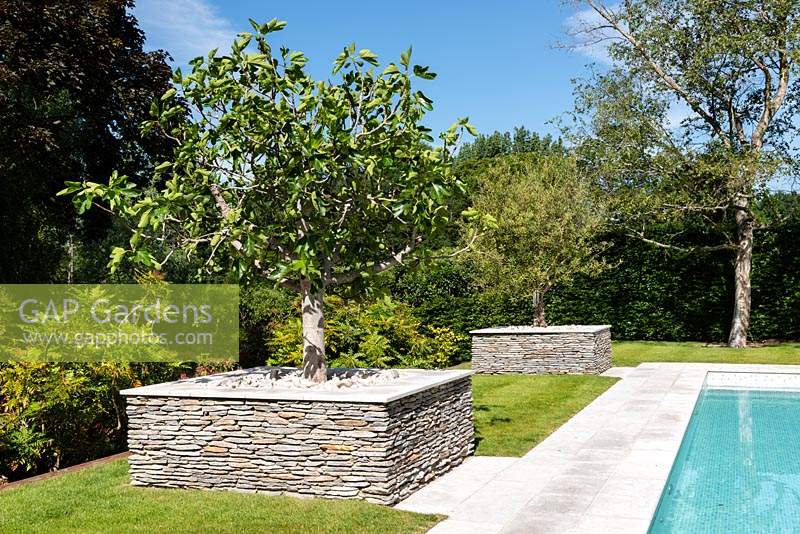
{"points": [[548, 220], [309, 183]]}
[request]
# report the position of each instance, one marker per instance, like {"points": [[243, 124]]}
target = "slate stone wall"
{"points": [[377, 452], [542, 353]]}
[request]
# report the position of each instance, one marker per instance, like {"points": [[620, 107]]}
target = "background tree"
{"points": [[519, 141], [734, 67], [74, 86], [547, 221], [309, 183]]}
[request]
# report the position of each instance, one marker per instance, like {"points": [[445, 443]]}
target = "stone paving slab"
{"points": [[618, 372], [602, 471], [448, 492]]}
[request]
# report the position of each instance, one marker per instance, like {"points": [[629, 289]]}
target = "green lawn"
{"points": [[99, 499], [632, 353], [515, 412]]}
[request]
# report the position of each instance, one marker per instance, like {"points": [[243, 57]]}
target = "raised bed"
{"points": [[542, 350], [378, 443]]}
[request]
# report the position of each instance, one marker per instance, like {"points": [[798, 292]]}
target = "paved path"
{"points": [[602, 471]]}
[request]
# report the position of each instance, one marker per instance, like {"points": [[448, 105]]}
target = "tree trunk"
{"points": [[742, 271], [538, 308], [314, 367]]}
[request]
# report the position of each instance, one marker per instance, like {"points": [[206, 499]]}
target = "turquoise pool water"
{"points": [[738, 467]]}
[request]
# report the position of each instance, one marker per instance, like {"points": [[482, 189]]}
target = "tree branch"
{"points": [[224, 209], [771, 103], [455, 253], [668, 80], [706, 248], [395, 259]]}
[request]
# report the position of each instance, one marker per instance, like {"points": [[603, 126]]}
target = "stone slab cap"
{"points": [[750, 380], [564, 329], [409, 382]]}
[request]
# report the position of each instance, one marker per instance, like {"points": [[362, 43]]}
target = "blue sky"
{"points": [[498, 62]]}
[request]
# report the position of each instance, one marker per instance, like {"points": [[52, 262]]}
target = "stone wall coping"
{"points": [[751, 380], [410, 381], [564, 329]]}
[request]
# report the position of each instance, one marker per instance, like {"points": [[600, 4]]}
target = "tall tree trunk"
{"points": [[742, 272], [314, 367], [538, 308]]}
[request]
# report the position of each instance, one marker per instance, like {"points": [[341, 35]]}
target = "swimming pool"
{"points": [[738, 466]]}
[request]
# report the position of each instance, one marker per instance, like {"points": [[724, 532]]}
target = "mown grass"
{"points": [[515, 412], [99, 499], [632, 353]]}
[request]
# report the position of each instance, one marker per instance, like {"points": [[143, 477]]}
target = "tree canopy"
{"points": [[521, 140], [74, 86], [732, 67], [308, 183], [548, 219]]}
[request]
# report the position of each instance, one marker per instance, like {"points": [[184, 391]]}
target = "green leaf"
{"points": [[298, 58], [134, 240], [423, 72], [169, 94], [470, 128], [144, 258], [116, 258], [72, 187], [405, 57], [368, 56], [145, 218], [273, 26], [340, 61]]}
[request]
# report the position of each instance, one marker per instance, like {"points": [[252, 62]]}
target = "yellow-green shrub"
{"points": [[381, 333]]}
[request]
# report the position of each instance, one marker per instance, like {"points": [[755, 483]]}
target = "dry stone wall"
{"points": [[380, 452], [549, 350]]}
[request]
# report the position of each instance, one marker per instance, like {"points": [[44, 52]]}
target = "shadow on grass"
{"points": [[491, 421]]}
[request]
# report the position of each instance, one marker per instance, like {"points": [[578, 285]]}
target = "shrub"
{"points": [[444, 294], [261, 309], [56, 415], [380, 333]]}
